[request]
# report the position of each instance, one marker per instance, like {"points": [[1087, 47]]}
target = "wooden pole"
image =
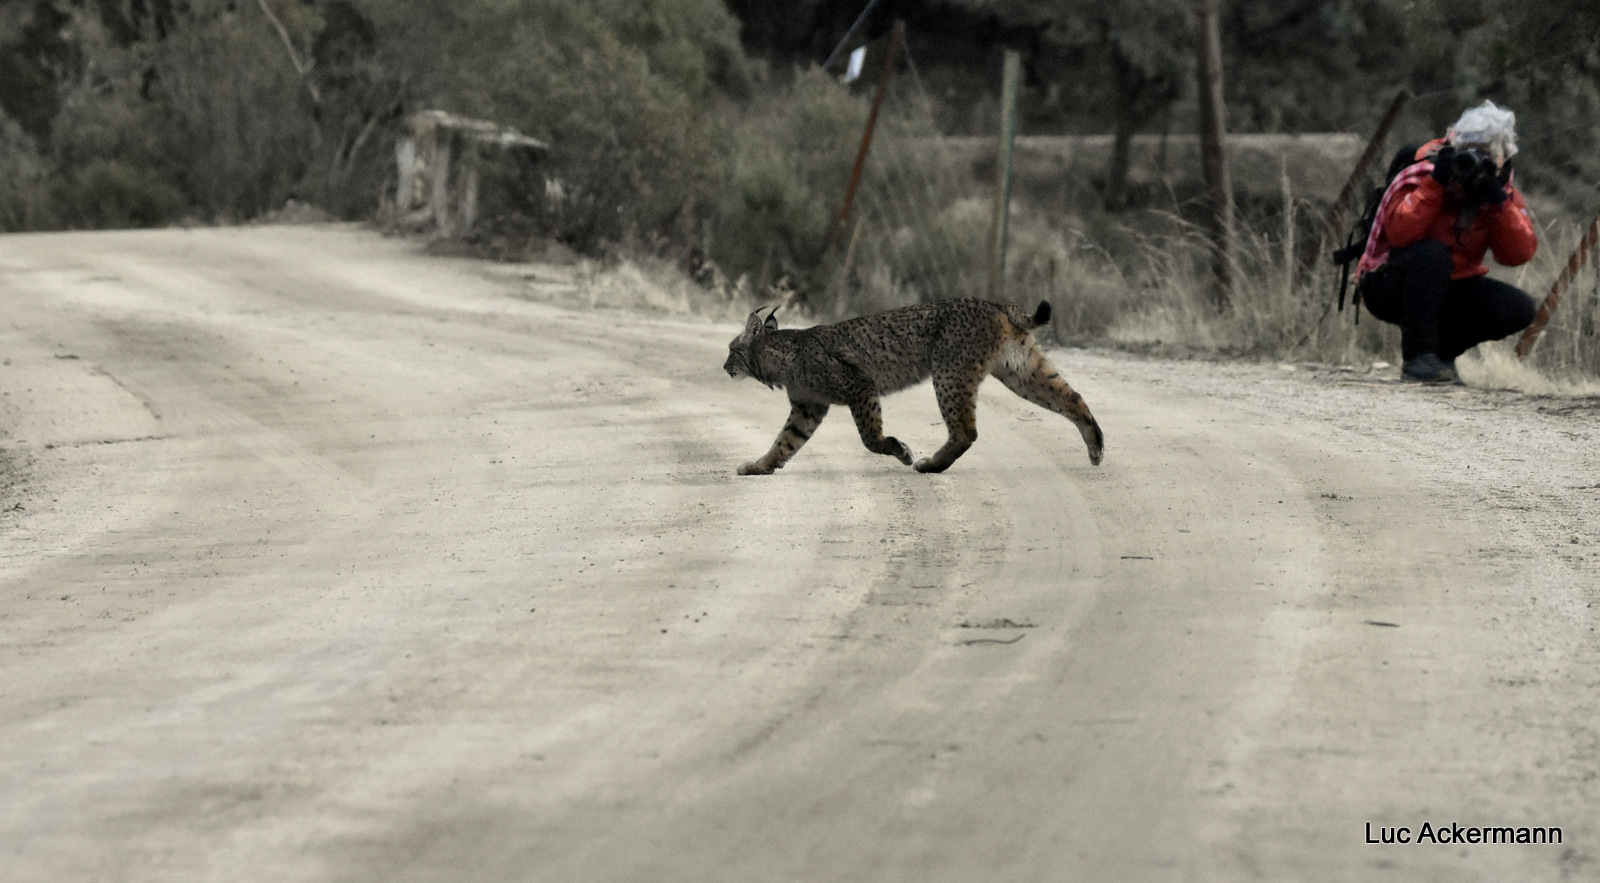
{"points": [[1213, 160], [1000, 226], [1574, 264], [764, 281], [895, 37]]}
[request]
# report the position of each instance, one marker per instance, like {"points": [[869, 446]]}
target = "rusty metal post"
{"points": [[895, 37], [1341, 204], [842, 284], [860, 20], [1574, 264]]}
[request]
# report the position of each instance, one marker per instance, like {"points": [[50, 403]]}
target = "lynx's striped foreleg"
{"points": [[802, 422], [1025, 371], [869, 422]]}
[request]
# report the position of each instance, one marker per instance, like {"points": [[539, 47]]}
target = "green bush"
{"points": [[91, 193], [202, 97], [111, 194], [626, 93], [26, 201], [235, 123], [792, 155]]}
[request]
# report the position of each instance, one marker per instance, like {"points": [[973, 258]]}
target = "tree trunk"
{"points": [[1116, 195], [1131, 114]]}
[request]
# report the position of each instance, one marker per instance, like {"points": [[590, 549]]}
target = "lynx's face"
{"points": [[739, 362]]}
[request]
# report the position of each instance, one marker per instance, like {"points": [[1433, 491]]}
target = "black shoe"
{"points": [[1429, 368]]}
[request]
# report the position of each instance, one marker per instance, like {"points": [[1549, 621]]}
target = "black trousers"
{"points": [[1437, 314]]}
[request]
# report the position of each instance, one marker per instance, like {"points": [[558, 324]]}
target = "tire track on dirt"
{"points": [[422, 579]]}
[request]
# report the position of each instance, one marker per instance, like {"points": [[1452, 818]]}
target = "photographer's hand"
{"points": [[1493, 190], [1490, 192], [1441, 164]]}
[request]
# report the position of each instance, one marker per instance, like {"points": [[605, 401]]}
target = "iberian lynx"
{"points": [[958, 343]]}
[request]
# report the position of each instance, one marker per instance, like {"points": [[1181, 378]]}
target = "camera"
{"points": [[1472, 166]]}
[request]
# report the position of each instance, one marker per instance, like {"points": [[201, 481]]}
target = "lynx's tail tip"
{"points": [[1041, 316]]}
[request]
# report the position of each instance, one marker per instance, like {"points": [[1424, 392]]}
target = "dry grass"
{"points": [[1281, 310]]}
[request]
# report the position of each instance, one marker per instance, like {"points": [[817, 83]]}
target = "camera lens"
{"points": [[1472, 165], [1466, 164]]}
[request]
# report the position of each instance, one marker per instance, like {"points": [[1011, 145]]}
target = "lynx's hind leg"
{"points": [[803, 420], [956, 388], [869, 422], [1025, 371]]}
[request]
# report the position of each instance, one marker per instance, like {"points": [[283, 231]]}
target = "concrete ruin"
{"points": [[440, 160]]}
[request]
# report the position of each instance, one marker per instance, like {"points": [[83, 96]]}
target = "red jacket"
{"points": [[1425, 210]]}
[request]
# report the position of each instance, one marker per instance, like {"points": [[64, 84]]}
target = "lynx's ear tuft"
{"points": [[772, 319]]}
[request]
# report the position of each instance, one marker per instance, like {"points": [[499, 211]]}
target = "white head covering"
{"points": [[1488, 125]]}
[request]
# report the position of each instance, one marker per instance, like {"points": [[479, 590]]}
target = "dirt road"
{"points": [[322, 559]]}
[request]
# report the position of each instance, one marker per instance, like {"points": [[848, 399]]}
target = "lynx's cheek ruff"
{"points": [[852, 363]]}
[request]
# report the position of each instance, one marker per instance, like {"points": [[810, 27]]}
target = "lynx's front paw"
{"points": [[754, 468], [926, 464]]}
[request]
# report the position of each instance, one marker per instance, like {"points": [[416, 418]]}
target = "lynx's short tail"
{"points": [[1024, 321]]}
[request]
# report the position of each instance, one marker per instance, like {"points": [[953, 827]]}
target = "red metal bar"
{"points": [[1342, 203], [866, 137]]}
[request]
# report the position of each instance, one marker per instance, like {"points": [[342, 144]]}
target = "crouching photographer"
{"points": [[1423, 266]]}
